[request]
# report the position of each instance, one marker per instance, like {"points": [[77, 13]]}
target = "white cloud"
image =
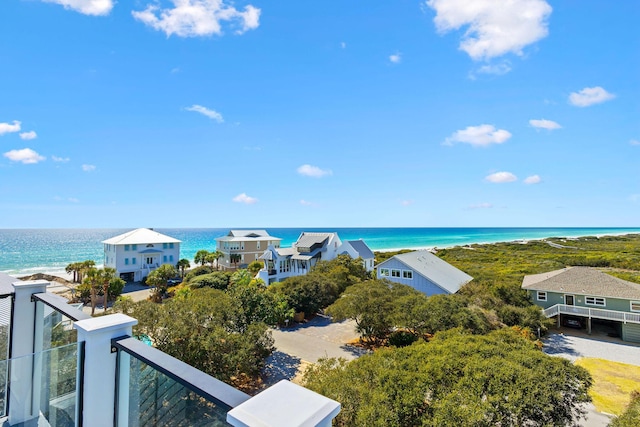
{"points": [[9, 128], [494, 27], [589, 96], [544, 124], [26, 156], [214, 115], [634, 142], [313, 171], [60, 159], [497, 69], [194, 18], [635, 198], [479, 136], [305, 203], [501, 177], [73, 200], [86, 7], [88, 168], [28, 135], [406, 202], [243, 198], [395, 58], [533, 179], [483, 205], [343, 45]]}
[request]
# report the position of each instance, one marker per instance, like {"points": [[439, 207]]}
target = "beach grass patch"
{"points": [[613, 383]]}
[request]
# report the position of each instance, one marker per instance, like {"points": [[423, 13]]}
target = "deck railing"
{"points": [[596, 313]]}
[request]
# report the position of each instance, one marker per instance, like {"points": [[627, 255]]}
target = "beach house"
{"points": [[424, 272], [137, 253], [586, 297], [280, 263], [62, 367], [358, 249], [242, 247]]}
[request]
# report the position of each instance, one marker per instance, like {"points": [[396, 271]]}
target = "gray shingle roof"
{"points": [[361, 247], [245, 235], [583, 281], [433, 268]]}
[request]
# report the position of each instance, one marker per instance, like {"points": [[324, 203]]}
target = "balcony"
{"points": [[60, 367], [595, 313]]}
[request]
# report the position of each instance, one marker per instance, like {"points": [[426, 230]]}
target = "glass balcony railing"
{"points": [[157, 389], [45, 385]]}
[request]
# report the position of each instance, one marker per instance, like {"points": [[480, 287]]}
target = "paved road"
{"points": [[302, 344]]}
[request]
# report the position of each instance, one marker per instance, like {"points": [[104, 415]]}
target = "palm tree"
{"points": [[182, 265], [107, 275], [201, 257], [217, 255], [83, 267], [94, 282], [74, 267]]}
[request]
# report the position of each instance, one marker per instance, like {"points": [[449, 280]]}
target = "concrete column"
{"points": [[285, 405], [99, 382], [23, 342]]}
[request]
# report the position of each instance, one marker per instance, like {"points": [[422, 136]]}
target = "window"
{"points": [[134, 247], [258, 245], [164, 246], [595, 301], [126, 247], [126, 261], [133, 261], [395, 273], [171, 258], [170, 245], [635, 305], [407, 274], [384, 272], [542, 296], [164, 258]]}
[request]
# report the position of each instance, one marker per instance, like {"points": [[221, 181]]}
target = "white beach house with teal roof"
{"points": [[137, 253], [424, 272], [590, 295]]}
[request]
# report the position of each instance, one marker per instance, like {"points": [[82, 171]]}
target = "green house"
{"points": [[586, 293]]}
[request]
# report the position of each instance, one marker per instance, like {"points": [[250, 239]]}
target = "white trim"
{"points": [[539, 295], [631, 303], [407, 274], [595, 301]]}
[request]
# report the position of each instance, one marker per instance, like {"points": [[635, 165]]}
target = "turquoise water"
{"points": [[25, 252]]}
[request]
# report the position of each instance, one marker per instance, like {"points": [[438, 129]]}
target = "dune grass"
{"points": [[613, 383]]}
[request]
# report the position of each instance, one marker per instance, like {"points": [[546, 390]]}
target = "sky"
{"points": [[212, 113]]}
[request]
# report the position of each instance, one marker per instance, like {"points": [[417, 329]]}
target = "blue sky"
{"points": [[208, 113]]}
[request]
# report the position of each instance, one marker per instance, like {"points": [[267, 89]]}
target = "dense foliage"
{"points": [[218, 332], [631, 416], [498, 379]]}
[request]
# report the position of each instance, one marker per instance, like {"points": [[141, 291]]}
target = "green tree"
{"points": [[498, 379], [217, 255], [215, 280], [372, 305], [159, 278], [205, 328], [74, 267], [308, 293], [182, 265], [201, 257], [97, 280], [254, 267]]}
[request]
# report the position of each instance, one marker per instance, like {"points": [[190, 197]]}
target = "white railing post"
{"points": [[99, 381], [285, 405], [22, 402]]}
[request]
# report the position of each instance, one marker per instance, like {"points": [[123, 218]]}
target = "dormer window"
{"points": [[149, 245]]}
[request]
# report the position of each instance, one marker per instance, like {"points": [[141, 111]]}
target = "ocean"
{"points": [[24, 251]]}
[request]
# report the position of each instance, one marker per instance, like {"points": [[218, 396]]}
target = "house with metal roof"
{"points": [[137, 253], [358, 249], [242, 247], [280, 263], [588, 295], [424, 272]]}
